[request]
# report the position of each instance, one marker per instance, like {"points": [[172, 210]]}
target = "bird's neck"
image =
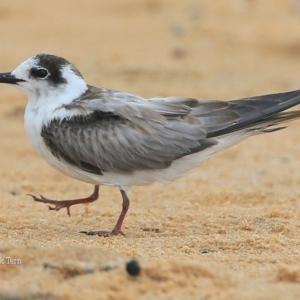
{"points": [[51, 104]]}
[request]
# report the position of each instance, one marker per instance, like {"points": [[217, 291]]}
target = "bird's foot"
{"points": [[57, 204], [104, 233], [66, 203]]}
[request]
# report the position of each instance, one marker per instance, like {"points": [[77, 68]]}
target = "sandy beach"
{"points": [[230, 230]]}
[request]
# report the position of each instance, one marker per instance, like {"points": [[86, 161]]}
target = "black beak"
{"points": [[9, 78]]}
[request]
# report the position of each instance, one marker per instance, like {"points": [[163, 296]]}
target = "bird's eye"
{"points": [[40, 73]]}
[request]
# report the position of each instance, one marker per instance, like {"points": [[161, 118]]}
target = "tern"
{"points": [[107, 137]]}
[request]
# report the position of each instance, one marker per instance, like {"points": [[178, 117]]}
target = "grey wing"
{"points": [[260, 112], [119, 132], [100, 143], [223, 117]]}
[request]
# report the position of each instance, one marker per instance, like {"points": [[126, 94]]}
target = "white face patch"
{"points": [[22, 72], [45, 81]]}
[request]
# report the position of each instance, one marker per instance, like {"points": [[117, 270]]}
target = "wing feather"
{"points": [[119, 132]]}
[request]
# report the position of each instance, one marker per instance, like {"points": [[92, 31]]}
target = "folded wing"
{"points": [[118, 132]]}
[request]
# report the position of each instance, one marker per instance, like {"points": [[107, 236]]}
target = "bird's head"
{"points": [[45, 76]]}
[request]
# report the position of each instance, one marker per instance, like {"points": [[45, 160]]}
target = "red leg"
{"points": [[67, 203], [117, 229]]}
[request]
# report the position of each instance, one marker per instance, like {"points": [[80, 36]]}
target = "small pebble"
{"points": [[206, 250], [133, 267]]}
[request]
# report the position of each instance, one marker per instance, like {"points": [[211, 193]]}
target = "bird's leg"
{"points": [[117, 228], [67, 203]]}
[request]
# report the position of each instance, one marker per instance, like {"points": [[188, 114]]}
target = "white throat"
{"points": [[48, 103]]}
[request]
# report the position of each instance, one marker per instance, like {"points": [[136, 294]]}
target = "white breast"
{"points": [[34, 120]]}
